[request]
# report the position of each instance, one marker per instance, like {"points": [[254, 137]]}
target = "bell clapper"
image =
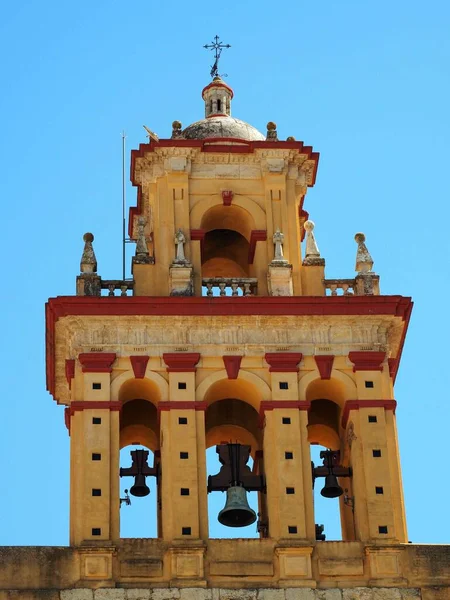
{"points": [[126, 500]]}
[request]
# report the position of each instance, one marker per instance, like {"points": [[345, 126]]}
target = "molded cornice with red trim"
{"points": [[367, 361], [88, 405], [220, 145], [357, 404], [324, 363], [283, 362], [184, 362], [139, 365], [62, 306], [198, 235], [232, 365], [256, 235], [281, 404], [181, 405], [96, 362], [304, 216], [70, 371]]}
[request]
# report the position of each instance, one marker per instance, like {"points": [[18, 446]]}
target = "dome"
{"points": [[222, 126]]}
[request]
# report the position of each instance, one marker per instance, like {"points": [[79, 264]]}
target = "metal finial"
{"points": [[217, 46]]}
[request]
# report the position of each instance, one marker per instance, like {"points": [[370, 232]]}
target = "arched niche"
{"points": [[139, 417], [248, 387], [153, 387], [230, 420], [210, 213]]}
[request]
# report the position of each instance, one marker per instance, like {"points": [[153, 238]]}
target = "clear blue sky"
{"points": [[365, 83]]}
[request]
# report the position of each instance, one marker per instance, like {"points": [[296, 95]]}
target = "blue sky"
{"points": [[367, 84]]}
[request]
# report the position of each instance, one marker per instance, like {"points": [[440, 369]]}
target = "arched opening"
{"points": [[324, 434], [227, 241], [139, 431], [225, 254], [232, 418]]}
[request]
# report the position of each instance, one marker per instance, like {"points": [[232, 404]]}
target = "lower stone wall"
{"points": [[358, 593]]}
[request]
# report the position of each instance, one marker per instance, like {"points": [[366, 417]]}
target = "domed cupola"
{"points": [[217, 96], [218, 122]]}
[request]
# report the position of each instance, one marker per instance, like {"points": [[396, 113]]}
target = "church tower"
{"points": [[228, 335]]}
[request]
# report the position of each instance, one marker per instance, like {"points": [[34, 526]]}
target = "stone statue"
{"points": [[141, 244], [180, 240], [278, 240]]}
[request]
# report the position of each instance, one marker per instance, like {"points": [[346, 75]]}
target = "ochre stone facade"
{"points": [[275, 357]]}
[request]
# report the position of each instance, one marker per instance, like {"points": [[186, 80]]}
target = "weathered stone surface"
{"points": [[436, 593], [267, 594], [386, 594], [195, 594], [81, 594], [300, 594], [410, 594], [109, 594], [138, 594], [357, 593], [331, 594], [225, 594], [166, 594]]}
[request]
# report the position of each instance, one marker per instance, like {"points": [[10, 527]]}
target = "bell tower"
{"points": [[230, 335]]}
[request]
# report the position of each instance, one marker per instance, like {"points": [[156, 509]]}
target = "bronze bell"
{"points": [[331, 489], [140, 488], [237, 512]]}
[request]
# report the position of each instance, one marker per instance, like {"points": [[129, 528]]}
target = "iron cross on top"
{"points": [[217, 46]]}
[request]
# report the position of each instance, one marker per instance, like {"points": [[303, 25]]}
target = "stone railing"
{"points": [[112, 285], [339, 287], [364, 284], [239, 286]]}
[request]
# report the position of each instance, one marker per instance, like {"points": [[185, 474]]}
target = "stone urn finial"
{"points": [[88, 262], [272, 131], [312, 253], [364, 261]]}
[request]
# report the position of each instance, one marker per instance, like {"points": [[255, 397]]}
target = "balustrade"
{"points": [[239, 286]]}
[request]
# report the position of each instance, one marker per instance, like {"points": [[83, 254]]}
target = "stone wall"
{"points": [[359, 593]]}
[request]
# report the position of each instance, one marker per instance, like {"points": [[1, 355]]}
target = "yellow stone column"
{"points": [[377, 486], [286, 453], [183, 453], [94, 446]]}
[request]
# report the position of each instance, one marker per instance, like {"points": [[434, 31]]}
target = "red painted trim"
{"points": [[392, 363], [283, 362], [282, 404], [181, 362], [199, 235], [325, 365], [304, 216], [93, 405], [139, 364], [227, 145], [232, 365], [367, 361], [406, 317], [221, 114], [70, 371], [63, 306], [357, 404], [227, 197], [97, 362], [256, 235], [181, 405], [67, 418], [217, 84]]}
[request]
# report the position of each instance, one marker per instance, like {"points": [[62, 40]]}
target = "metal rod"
{"points": [[123, 204]]}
